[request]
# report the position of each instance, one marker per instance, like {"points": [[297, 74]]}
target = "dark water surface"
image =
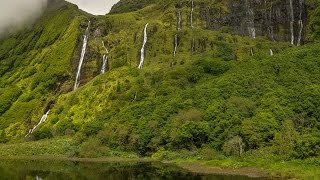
{"points": [[52, 169]]}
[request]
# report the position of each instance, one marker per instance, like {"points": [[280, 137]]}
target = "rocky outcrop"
{"points": [[283, 20]]}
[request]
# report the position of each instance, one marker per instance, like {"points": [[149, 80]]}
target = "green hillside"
{"points": [[36, 66], [207, 91]]}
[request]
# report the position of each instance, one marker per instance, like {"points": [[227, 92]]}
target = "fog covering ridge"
{"points": [[15, 14]]}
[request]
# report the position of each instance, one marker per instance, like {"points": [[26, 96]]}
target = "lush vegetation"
{"points": [[130, 5], [35, 68], [226, 99]]}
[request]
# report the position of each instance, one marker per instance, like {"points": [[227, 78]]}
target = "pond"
{"points": [[74, 170]]}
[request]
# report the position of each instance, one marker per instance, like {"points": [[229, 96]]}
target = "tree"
{"points": [[259, 130], [284, 140], [234, 146]]}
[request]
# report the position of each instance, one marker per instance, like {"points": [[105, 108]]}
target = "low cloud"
{"points": [[15, 14]]}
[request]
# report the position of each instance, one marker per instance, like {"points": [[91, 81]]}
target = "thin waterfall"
{"points": [[105, 47], [83, 52], [104, 60], [250, 16], [42, 120], [145, 39], [179, 27], [191, 14], [270, 22], [300, 22], [291, 22], [271, 52], [251, 52], [135, 96], [104, 64], [175, 45]]}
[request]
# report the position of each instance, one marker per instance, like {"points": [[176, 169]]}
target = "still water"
{"points": [[65, 170]]}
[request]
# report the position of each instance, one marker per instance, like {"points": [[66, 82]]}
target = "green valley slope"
{"points": [[36, 66], [221, 95]]}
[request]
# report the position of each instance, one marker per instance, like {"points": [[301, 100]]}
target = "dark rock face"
{"points": [[279, 20]]}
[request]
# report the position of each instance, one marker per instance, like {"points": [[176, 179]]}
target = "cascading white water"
{"points": [[191, 14], [300, 32], [105, 47], [271, 52], [270, 21], [83, 52], [104, 64], [291, 21], [251, 28], [135, 96], [251, 52], [104, 59], [145, 39], [42, 120], [179, 27], [250, 14], [175, 45], [300, 22]]}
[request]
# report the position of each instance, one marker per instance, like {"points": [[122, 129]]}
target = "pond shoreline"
{"points": [[193, 167]]}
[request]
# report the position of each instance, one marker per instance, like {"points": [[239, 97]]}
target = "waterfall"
{"points": [[42, 120], [135, 96], [300, 32], [300, 22], [104, 64], [104, 59], [83, 52], [250, 14], [105, 47], [175, 45], [191, 14], [270, 22], [291, 21], [271, 52], [251, 52], [179, 21], [145, 39]]}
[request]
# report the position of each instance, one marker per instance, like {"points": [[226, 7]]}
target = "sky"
{"points": [[96, 7]]}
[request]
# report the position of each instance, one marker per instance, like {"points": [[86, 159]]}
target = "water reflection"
{"points": [[72, 170]]}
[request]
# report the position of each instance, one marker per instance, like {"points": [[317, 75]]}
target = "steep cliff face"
{"points": [[279, 20], [284, 20]]}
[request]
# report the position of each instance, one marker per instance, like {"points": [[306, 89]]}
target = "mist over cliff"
{"points": [[17, 13]]}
